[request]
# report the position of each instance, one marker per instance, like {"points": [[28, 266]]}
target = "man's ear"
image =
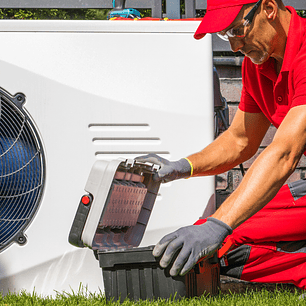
{"points": [[270, 8]]}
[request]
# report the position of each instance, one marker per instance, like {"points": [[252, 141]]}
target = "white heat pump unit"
{"points": [[73, 92]]}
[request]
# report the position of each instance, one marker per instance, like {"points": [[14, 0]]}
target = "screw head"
{"points": [[21, 240]]}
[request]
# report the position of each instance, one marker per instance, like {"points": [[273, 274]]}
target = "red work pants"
{"points": [[271, 245]]}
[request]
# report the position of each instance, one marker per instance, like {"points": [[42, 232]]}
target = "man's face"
{"points": [[258, 42]]}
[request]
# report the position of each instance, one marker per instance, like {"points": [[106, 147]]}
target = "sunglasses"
{"points": [[239, 32]]}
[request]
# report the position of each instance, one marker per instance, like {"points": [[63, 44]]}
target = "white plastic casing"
{"points": [[99, 90]]}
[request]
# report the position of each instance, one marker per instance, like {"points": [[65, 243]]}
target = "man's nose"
{"points": [[236, 44]]}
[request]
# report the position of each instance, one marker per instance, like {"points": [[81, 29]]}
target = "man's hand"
{"points": [[195, 242], [168, 171]]}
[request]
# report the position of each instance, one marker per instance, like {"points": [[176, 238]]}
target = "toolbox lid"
{"points": [[120, 199]]}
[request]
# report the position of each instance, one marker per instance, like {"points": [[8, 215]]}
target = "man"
{"points": [[273, 39]]}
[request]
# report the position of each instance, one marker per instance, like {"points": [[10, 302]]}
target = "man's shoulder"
{"points": [[298, 32]]}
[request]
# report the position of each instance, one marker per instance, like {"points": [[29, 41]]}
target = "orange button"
{"points": [[280, 98]]}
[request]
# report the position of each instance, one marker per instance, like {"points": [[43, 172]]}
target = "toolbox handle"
{"points": [[225, 247]]}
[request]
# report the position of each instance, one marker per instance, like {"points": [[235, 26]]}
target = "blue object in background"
{"points": [[124, 13], [120, 11]]}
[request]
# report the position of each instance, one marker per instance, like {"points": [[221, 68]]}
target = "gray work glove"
{"points": [[194, 242], [169, 171]]}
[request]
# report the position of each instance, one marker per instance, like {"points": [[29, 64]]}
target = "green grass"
{"points": [[277, 297]]}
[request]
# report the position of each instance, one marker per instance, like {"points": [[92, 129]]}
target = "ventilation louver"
{"points": [[22, 169]]}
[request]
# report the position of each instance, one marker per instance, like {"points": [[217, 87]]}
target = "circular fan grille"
{"points": [[21, 169]]}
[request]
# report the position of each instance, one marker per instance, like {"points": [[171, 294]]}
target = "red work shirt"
{"points": [[264, 91]]}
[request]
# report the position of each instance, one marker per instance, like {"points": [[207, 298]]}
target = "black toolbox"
{"points": [[111, 219], [136, 274]]}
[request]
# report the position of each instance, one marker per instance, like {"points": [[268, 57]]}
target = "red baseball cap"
{"points": [[219, 15]]}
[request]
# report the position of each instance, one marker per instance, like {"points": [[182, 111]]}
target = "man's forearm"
{"points": [[259, 186], [220, 156], [236, 145]]}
